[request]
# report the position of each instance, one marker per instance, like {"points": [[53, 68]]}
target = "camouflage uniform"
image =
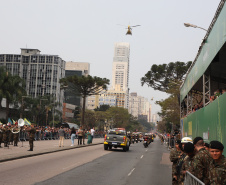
{"points": [[217, 172], [6, 132], [180, 177], [187, 166], [174, 157], [32, 132], [201, 163], [16, 135], [10, 136]]}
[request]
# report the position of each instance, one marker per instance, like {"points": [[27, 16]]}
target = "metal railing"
{"points": [[192, 180], [42, 135]]}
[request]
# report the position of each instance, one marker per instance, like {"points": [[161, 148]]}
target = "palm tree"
{"points": [[12, 88]]}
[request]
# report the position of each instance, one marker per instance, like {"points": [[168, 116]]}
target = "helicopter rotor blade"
{"points": [[135, 26]]}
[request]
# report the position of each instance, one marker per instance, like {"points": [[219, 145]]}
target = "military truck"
{"points": [[116, 138]]}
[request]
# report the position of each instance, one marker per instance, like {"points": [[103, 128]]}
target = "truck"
{"points": [[116, 138]]}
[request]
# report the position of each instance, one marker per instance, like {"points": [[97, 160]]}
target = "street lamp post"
{"points": [[194, 26]]}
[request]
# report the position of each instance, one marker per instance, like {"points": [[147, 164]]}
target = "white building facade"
{"points": [[120, 69], [139, 106]]}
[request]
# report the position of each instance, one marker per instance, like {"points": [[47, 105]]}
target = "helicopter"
{"points": [[129, 29]]}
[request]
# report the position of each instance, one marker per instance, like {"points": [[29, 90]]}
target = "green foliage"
{"points": [[102, 108], [147, 126], [159, 76], [84, 86], [118, 116], [167, 78], [12, 89]]}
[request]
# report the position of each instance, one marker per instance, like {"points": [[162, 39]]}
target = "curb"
{"points": [[47, 152]]}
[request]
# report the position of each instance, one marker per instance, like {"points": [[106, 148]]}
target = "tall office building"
{"points": [[120, 73], [40, 72], [120, 68]]}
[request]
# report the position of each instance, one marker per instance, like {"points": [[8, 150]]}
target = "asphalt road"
{"points": [[92, 165], [143, 166]]}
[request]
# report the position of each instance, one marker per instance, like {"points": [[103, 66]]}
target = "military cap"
{"points": [[178, 141], [189, 147], [197, 139], [207, 145], [216, 145]]}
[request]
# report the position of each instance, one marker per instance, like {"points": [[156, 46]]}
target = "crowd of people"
{"points": [[215, 95], [204, 161], [12, 134]]}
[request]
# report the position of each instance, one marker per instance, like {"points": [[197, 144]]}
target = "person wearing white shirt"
{"points": [[92, 133]]}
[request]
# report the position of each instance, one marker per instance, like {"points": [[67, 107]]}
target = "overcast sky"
{"points": [[86, 30]]}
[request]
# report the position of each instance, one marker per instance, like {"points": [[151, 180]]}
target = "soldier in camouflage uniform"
{"points": [[10, 135], [5, 131], [202, 160], [16, 131], [188, 161], [32, 132], [217, 170], [174, 157]]}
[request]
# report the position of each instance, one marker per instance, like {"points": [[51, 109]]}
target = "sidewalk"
{"points": [[40, 147]]}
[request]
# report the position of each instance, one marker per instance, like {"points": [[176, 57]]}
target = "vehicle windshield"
{"points": [[117, 131]]}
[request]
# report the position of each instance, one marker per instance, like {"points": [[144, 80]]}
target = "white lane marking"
{"points": [[71, 165], [131, 172], [142, 156], [146, 150]]}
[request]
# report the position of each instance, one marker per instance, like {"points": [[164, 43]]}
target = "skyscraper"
{"points": [[120, 74], [120, 68]]}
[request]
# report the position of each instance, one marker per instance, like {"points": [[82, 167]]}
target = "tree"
{"points": [[118, 116], [12, 88], [160, 76], [84, 86], [168, 78], [102, 108], [148, 126]]}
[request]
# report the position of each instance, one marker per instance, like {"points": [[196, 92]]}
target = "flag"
{"points": [[10, 121], [26, 122]]}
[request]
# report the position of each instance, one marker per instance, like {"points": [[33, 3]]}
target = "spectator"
{"points": [[217, 172], [223, 90], [61, 134], [89, 137], [217, 93], [73, 132], [92, 133], [80, 134], [212, 98]]}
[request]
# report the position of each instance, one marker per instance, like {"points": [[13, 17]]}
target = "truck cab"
{"points": [[117, 138]]}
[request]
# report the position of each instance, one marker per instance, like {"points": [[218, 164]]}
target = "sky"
{"points": [[86, 30]]}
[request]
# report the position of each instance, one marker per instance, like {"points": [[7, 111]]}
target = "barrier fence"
{"points": [[42, 135], [192, 180], [49, 135]]}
